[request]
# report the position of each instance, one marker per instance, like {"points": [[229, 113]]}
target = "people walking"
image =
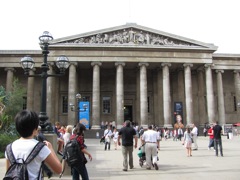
{"points": [[115, 138], [107, 134], [127, 134], [194, 135], [217, 131], [211, 137], [187, 141], [80, 168], [151, 140], [180, 133]]}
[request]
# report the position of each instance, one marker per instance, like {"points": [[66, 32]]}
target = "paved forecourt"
{"points": [[173, 162]]}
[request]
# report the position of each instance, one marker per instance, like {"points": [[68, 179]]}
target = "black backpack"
{"points": [[18, 171], [73, 154]]}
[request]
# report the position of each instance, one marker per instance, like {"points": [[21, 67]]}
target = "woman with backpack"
{"points": [[17, 153], [80, 167]]}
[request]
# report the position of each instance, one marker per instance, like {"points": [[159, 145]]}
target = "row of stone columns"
{"points": [[72, 89]]}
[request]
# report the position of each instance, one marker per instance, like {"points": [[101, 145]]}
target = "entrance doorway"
{"points": [[128, 113]]}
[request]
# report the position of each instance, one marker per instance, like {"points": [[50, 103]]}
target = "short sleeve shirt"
{"points": [[127, 134], [22, 148], [217, 131]]}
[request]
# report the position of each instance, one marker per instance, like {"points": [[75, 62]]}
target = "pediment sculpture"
{"points": [[130, 36]]}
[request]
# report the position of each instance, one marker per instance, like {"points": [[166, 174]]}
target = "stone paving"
{"points": [[173, 162]]}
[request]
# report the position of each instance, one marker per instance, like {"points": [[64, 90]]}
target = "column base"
{"points": [[119, 126], [95, 127], [169, 126], [145, 126]]}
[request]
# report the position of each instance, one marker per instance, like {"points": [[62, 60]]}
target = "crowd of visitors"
{"points": [[127, 137]]}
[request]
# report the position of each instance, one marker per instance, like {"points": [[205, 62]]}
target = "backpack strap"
{"points": [[37, 148], [10, 154]]}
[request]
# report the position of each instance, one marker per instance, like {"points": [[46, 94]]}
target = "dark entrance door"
{"points": [[128, 113]]}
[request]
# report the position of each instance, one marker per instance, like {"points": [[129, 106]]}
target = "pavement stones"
{"points": [[173, 162]]}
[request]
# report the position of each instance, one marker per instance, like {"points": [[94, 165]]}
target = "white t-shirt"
{"points": [[150, 136], [22, 148]]}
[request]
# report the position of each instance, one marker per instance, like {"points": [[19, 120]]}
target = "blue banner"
{"points": [[84, 113]]}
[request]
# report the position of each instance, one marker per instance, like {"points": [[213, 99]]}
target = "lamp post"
{"points": [[27, 64], [79, 110]]}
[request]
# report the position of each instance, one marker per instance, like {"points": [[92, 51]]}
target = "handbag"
{"points": [[192, 140]]}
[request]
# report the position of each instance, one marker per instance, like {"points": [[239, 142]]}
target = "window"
{"points": [[24, 103], [106, 105], [235, 103], [64, 104]]}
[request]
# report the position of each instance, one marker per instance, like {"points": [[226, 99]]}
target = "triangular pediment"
{"points": [[131, 35]]}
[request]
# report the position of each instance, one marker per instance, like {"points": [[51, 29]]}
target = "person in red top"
{"points": [[81, 168], [211, 137]]}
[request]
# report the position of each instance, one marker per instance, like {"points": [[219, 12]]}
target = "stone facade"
{"points": [[142, 71]]}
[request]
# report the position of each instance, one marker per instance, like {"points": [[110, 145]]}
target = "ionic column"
{"points": [[137, 102], [201, 99], [51, 95], [96, 96], [30, 91], [188, 93], [10, 75], [72, 90], [181, 93], [143, 95], [221, 105], [166, 95], [237, 89], [119, 94], [209, 92]]}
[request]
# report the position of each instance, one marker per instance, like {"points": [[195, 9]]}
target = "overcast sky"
{"points": [[208, 21]]}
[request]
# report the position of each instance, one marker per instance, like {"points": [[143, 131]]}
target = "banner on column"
{"points": [[178, 110], [84, 113]]}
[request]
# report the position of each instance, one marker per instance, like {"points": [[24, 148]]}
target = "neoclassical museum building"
{"points": [[135, 73]]}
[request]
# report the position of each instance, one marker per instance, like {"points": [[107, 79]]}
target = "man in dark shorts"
{"points": [[217, 131], [127, 134]]}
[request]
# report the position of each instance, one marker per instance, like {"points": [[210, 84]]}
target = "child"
{"points": [[27, 126]]}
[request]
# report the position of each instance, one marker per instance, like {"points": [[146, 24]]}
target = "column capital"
{"points": [[120, 63], [200, 69], [236, 71], [208, 65], [96, 63], [143, 64], [166, 64], [9, 69], [187, 64], [219, 71], [74, 64]]}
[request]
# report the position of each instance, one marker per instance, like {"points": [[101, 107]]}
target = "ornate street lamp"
{"points": [[27, 64]]}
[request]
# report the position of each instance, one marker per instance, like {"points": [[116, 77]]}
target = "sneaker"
{"points": [[156, 166], [131, 167], [148, 168], [124, 169]]}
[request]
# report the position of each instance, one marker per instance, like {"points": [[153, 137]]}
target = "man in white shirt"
{"points": [[107, 134], [151, 138], [194, 135]]}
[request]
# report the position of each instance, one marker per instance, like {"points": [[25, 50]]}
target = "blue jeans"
{"points": [[218, 142], [79, 170], [211, 143]]}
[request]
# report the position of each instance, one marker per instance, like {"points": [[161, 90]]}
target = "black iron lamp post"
{"points": [[27, 64]]}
